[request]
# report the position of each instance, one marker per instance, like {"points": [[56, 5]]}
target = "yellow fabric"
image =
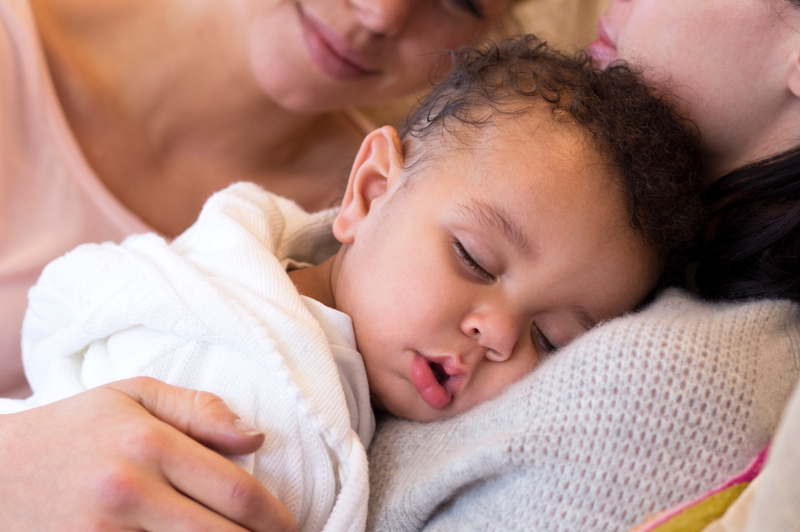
{"points": [[736, 516], [697, 517]]}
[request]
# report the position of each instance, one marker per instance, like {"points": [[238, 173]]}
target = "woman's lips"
{"points": [[603, 51], [330, 52], [425, 380]]}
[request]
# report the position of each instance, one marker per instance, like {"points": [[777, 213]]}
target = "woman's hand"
{"points": [[126, 457]]}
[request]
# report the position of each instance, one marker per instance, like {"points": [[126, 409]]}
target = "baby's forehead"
{"points": [[499, 172], [529, 142], [517, 165], [525, 127]]}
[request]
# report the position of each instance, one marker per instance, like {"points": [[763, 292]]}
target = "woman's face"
{"points": [[727, 61], [316, 55]]}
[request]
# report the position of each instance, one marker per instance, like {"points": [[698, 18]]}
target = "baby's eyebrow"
{"points": [[496, 219]]}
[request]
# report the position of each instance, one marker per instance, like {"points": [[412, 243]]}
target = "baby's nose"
{"points": [[497, 332], [497, 356]]}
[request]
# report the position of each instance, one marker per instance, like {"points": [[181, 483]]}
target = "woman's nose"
{"points": [[383, 17], [497, 331]]}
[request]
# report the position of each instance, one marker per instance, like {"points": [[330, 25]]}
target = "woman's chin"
{"points": [[296, 87]]}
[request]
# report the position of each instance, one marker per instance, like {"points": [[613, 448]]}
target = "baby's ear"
{"points": [[378, 166]]}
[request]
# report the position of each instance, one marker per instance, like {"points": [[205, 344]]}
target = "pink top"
{"points": [[50, 199]]}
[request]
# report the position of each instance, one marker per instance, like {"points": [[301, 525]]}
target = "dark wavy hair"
{"points": [[750, 246], [649, 149]]}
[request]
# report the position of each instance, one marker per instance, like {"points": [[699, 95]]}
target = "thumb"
{"points": [[202, 416]]}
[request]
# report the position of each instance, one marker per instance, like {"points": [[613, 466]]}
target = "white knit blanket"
{"points": [[213, 311], [636, 416]]}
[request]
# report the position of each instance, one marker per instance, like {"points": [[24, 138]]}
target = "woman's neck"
{"points": [[159, 93], [159, 65], [749, 143]]}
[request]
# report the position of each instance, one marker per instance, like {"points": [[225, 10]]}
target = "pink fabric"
{"points": [[50, 199], [747, 475]]}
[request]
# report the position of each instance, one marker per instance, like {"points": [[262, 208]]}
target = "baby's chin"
{"points": [[418, 411]]}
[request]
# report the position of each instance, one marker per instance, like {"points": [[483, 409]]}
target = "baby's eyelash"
{"points": [[471, 263], [469, 6], [541, 340]]}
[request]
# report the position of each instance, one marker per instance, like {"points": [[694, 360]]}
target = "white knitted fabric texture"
{"points": [[636, 416], [215, 311], [776, 502]]}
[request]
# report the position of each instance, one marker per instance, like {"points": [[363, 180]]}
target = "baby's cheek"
{"points": [[384, 387], [495, 384]]}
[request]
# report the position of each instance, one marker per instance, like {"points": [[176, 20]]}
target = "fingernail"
{"points": [[246, 428]]}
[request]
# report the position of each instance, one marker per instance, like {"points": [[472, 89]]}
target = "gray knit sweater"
{"points": [[636, 416]]}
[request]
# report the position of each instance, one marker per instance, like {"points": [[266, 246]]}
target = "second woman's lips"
{"points": [[330, 52], [603, 51], [602, 34]]}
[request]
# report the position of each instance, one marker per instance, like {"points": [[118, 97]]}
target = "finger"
{"points": [[225, 488], [201, 474], [175, 512], [200, 415]]}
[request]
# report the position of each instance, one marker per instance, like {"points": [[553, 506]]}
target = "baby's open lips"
{"points": [[428, 378], [439, 372], [449, 370]]}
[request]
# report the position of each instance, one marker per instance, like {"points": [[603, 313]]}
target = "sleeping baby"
{"points": [[528, 198]]}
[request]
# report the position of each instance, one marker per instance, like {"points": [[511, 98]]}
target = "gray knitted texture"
{"points": [[636, 416]]}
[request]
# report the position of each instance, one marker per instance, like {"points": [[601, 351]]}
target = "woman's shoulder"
{"points": [[19, 7], [18, 38], [39, 155]]}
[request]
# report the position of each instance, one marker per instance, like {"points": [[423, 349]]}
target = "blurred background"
{"points": [[567, 24], [571, 24]]}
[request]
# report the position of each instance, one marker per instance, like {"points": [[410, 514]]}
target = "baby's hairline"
{"points": [[630, 124], [461, 135]]}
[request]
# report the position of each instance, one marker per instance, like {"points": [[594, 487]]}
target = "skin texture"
{"points": [[734, 66], [421, 276], [145, 469], [170, 101], [396, 42]]}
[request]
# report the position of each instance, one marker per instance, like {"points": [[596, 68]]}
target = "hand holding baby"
{"points": [[121, 486]]}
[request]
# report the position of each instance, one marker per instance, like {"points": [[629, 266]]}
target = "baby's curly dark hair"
{"points": [[648, 147]]}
